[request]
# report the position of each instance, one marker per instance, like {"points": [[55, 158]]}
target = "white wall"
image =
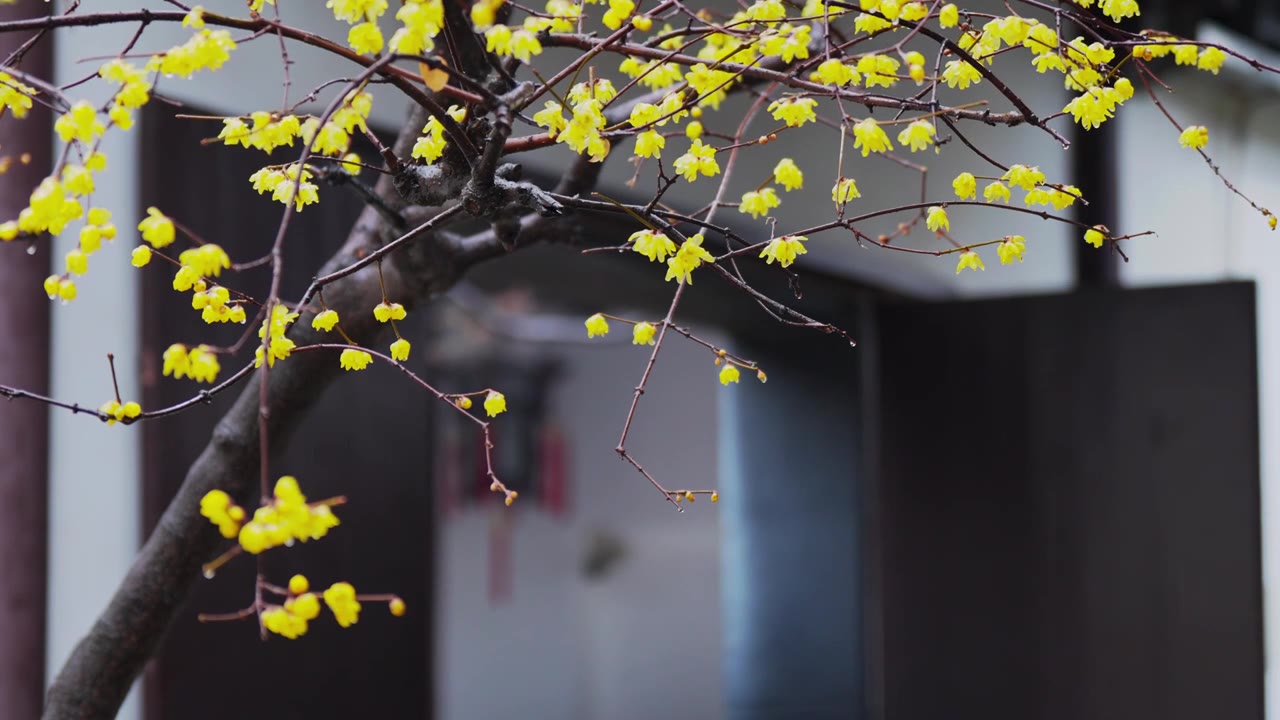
{"points": [[1206, 234], [644, 640], [93, 469]]}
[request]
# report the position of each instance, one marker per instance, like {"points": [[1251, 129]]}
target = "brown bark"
{"points": [[24, 341]]}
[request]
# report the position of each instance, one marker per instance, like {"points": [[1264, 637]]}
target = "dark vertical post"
{"points": [[791, 567], [1093, 160], [24, 363]]}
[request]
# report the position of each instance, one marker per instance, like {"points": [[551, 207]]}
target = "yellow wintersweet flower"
{"points": [[400, 350], [757, 203], [353, 11], [1011, 249], [298, 584], [688, 258], [969, 259], [365, 38], [280, 621], [194, 19], [1194, 137], [844, 190], [649, 144], [15, 96], [217, 506], [642, 333], [341, 599], [325, 320], [209, 260], [652, 244], [551, 117], [119, 412], [795, 112], [156, 228], [524, 45], [699, 159], [918, 135], [80, 123], [495, 403], [206, 50], [937, 219], [787, 174], [1211, 59], [1119, 9], [77, 262], [996, 191], [784, 249], [729, 374], [835, 72], [879, 70], [960, 74], [354, 359], [202, 364], [789, 42], [618, 12], [1023, 176], [396, 607], [597, 326], [949, 15], [1095, 236], [389, 311], [965, 186], [870, 137]]}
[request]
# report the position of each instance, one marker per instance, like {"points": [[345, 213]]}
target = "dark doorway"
{"points": [[1067, 505], [381, 667]]}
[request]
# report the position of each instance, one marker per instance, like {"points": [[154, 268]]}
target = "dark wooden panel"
{"points": [[366, 438], [1069, 507]]}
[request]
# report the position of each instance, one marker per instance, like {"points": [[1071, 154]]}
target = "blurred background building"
{"points": [[1047, 491]]}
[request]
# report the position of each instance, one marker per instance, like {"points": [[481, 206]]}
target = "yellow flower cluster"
{"points": [[521, 43], [287, 518], [784, 249], [597, 326], [281, 182], [787, 174], [364, 36], [117, 411], [795, 112], [689, 257], [342, 602], [206, 50], [209, 259], [652, 244], [432, 144], [134, 92], [845, 190], [156, 228], [643, 333], [385, 312], [422, 20], [264, 131], [495, 403], [278, 323], [79, 123], [757, 203], [218, 507], [15, 96], [352, 359], [700, 159], [870, 137], [199, 363]]}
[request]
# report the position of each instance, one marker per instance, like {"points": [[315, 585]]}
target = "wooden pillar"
{"points": [[24, 363]]}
